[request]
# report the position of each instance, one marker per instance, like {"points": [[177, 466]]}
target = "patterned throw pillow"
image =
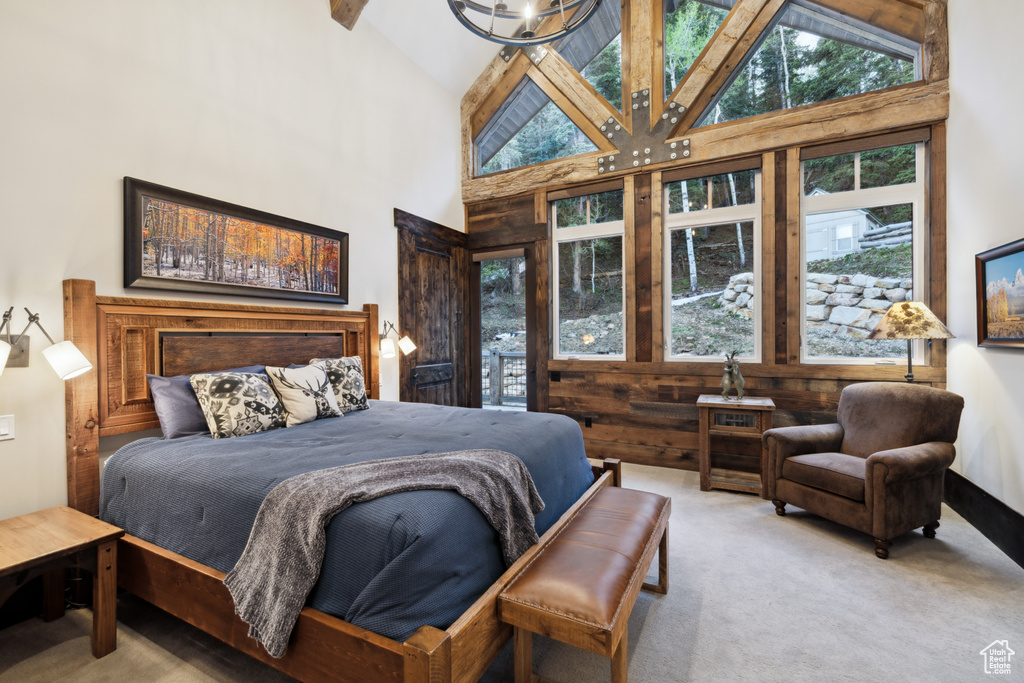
{"points": [[346, 375], [237, 403], [305, 391]]}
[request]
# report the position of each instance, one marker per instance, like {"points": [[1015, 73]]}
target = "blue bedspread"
{"points": [[392, 564]]}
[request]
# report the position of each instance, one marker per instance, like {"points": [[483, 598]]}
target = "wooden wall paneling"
{"points": [[578, 90], [780, 338], [563, 102], [741, 36], [768, 264], [707, 372], [346, 12], [629, 265], [81, 399], [936, 258], [429, 229], [644, 324], [406, 307], [540, 208], [794, 192], [657, 267], [461, 265], [936, 42], [903, 18]]}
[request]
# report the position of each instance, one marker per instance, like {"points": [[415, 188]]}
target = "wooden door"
{"points": [[433, 274]]}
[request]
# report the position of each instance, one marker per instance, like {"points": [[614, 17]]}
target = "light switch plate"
{"points": [[6, 427]]}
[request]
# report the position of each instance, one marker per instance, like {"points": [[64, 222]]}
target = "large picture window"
{"points": [[712, 253], [588, 291], [863, 225]]}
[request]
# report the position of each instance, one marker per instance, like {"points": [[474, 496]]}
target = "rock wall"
{"points": [[841, 304]]}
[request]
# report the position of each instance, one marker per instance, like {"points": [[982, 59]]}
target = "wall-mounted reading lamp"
{"points": [[65, 358], [387, 344]]}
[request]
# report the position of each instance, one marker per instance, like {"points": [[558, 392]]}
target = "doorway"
{"points": [[503, 378]]}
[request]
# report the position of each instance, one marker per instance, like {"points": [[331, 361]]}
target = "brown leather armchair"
{"points": [[878, 470]]}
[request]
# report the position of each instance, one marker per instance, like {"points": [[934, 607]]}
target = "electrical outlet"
{"points": [[6, 427]]}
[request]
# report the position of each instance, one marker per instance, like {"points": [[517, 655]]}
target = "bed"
{"points": [[128, 337]]}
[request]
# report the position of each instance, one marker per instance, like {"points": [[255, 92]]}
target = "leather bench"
{"points": [[581, 587]]}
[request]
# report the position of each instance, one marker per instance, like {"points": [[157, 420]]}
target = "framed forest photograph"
{"points": [[1000, 274], [183, 241]]}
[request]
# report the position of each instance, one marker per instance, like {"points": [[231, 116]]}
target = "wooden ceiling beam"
{"points": [[346, 12]]}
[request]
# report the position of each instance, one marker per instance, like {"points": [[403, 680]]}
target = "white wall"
{"points": [[986, 140], [265, 103]]}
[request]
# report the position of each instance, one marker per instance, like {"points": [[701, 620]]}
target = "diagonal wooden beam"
{"points": [[727, 49], [346, 12], [581, 120], [578, 90]]}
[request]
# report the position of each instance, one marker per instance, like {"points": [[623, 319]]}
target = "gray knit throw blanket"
{"points": [[281, 562]]}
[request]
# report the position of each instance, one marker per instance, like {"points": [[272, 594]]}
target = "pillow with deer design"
{"points": [[305, 391]]}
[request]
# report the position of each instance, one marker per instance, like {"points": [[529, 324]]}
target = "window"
{"points": [[528, 130], [712, 251], [863, 227], [595, 51], [588, 291], [814, 54], [689, 25]]}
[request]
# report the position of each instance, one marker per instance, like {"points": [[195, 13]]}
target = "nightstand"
{"points": [[49, 541], [747, 418]]}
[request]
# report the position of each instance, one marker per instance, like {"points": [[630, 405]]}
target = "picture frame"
{"points": [[182, 241], [1000, 289]]}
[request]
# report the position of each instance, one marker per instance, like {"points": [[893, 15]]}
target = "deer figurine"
{"points": [[732, 377]]}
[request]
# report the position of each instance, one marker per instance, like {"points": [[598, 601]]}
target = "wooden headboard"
{"points": [[126, 338]]}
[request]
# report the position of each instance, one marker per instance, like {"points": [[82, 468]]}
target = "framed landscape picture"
{"points": [[1000, 274], [182, 241]]}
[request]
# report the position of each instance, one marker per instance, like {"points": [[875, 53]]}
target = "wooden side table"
{"points": [[49, 541], [746, 417]]}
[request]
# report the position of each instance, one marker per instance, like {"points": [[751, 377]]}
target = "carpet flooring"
{"points": [[752, 597]]}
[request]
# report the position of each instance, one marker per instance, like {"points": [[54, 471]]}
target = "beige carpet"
{"points": [[753, 597]]}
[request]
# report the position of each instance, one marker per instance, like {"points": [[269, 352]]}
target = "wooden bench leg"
{"points": [[662, 585], [523, 645], [104, 600], [620, 662]]}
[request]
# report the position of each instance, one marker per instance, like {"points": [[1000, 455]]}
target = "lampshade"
{"points": [[387, 347], [406, 345], [67, 361], [910, 320], [5, 351]]}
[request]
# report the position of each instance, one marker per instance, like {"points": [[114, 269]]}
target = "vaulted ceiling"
{"points": [[427, 33]]}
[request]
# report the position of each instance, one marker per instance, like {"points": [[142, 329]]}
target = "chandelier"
{"points": [[527, 25]]}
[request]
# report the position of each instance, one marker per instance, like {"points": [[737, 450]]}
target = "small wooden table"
{"points": [[747, 417], [46, 543]]}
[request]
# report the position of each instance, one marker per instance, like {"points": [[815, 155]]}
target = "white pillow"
{"points": [[306, 393]]}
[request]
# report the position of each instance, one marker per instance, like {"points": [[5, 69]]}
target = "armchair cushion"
{"points": [[878, 416], [836, 473]]}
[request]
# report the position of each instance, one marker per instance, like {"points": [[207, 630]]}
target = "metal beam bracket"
{"points": [[643, 148], [535, 53]]}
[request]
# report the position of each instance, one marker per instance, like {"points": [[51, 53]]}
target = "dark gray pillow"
{"points": [[177, 406]]}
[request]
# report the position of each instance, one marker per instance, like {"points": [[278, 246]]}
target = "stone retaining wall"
{"points": [[841, 304]]}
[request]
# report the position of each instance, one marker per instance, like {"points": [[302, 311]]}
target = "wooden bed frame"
{"points": [[126, 338]]}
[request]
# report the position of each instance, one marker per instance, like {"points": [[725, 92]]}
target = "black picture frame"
{"points": [[148, 201], [991, 268]]}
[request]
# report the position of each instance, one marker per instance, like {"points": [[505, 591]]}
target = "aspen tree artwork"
{"points": [[177, 240]]}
